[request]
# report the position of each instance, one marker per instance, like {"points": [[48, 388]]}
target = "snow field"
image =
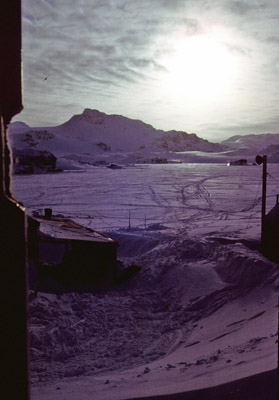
{"points": [[203, 310], [193, 197]]}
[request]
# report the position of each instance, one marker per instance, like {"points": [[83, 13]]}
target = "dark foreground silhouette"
{"points": [[262, 386]]}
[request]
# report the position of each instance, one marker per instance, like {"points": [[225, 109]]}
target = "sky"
{"points": [[209, 67]]}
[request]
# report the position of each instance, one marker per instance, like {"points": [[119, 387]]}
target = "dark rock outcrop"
{"points": [[29, 161]]}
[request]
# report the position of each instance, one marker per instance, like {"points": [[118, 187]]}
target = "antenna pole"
{"points": [[264, 193]]}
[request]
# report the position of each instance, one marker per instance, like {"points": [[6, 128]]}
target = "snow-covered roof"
{"points": [[62, 228], [273, 214]]}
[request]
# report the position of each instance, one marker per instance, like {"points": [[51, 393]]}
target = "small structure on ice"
{"points": [[114, 166], [68, 252], [242, 161]]}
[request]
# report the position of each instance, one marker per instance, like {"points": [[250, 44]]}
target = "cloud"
{"points": [[244, 7], [224, 131], [273, 40], [107, 50], [238, 50], [86, 43]]}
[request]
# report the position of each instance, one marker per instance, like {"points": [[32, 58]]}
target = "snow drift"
{"points": [[188, 314]]}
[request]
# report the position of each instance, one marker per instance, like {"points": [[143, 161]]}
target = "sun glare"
{"points": [[200, 68]]}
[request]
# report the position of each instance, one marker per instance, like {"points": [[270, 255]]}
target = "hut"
{"points": [[270, 220], [270, 233], [242, 161], [69, 252]]}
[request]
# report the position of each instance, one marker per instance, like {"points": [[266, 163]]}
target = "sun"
{"points": [[200, 67]]}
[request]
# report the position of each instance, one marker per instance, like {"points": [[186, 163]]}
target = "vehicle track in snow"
{"points": [[158, 197], [204, 193], [196, 190]]}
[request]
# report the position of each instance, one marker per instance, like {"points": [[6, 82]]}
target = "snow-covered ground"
{"points": [[197, 198], [202, 311]]}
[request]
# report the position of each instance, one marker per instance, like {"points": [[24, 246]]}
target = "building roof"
{"points": [[67, 229], [273, 214]]}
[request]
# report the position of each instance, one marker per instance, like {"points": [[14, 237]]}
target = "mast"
{"points": [[263, 160], [264, 187]]}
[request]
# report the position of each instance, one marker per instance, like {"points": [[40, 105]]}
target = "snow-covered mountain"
{"points": [[251, 142], [95, 133], [19, 127], [248, 146], [94, 137]]}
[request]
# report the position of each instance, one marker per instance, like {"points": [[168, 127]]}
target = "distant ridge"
{"points": [[94, 137], [94, 130], [252, 141]]}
